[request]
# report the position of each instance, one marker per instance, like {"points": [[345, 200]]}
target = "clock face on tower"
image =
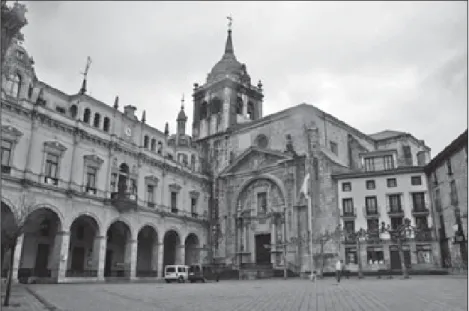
{"points": [[128, 131]]}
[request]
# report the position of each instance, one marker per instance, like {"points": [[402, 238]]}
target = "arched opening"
{"points": [[239, 106], [118, 250], [15, 87], [215, 105], [73, 111], [172, 248], [9, 229], [203, 110], [123, 177], [191, 246], [83, 254], [146, 141], [106, 124], [87, 115], [147, 252], [251, 113], [153, 144], [160, 147], [40, 256], [97, 120]]}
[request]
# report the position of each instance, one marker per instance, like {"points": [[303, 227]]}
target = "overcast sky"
{"points": [[374, 65]]}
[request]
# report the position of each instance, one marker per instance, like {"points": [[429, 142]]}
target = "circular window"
{"points": [[262, 141]]}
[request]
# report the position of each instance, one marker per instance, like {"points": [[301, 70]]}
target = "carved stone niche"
{"points": [[54, 147], [11, 133], [93, 160], [194, 194], [174, 188], [152, 180]]}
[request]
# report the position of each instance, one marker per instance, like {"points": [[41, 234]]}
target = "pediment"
{"points": [[255, 159], [11, 133]]}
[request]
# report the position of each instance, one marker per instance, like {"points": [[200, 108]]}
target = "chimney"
{"points": [[129, 111]]}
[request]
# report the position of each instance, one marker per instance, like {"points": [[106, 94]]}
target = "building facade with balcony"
{"points": [[107, 195], [387, 189], [447, 181]]}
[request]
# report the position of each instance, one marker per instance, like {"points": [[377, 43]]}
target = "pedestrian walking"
{"points": [[338, 269]]}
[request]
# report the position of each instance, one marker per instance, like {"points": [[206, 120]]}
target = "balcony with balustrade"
{"points": [[395, 211], [371, 213], [348, 214], [420, 210], [124, 201]]}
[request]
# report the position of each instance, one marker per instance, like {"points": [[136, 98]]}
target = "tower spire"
{"points": [[85, 75], [229, 41]]}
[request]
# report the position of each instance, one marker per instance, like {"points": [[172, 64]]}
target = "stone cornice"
{"points": [[99, 141]]}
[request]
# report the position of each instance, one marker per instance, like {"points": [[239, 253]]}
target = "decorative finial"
{"points": [[230, 22], [182, 102], [144, 116], [166, 129], [85, 75], [116, 102]]}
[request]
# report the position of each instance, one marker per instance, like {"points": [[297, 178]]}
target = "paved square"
{"points": [[419, 293]]}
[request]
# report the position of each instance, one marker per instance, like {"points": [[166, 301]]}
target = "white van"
{"points": [[179, 273]]}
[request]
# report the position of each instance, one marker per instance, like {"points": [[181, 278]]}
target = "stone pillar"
{"points": [[60, 256], [154, 256], [99, 255], [131, 257], [160, 260], [387, 255], [182, 255], [17, 258]]}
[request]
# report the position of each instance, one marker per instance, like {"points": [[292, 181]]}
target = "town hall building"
{"points": [[108, 196]]}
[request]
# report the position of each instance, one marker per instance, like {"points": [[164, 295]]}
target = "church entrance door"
{"points": [[263, 249]]}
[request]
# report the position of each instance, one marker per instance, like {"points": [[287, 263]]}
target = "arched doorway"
{"points": [[191, 246], [41, 245], [147, 252], [83, 254], [118, 250], [172, 248], [9, 229]]}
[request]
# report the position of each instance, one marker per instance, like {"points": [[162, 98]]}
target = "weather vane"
{"points": [[88, 64], [182, 101], [230, 23]]}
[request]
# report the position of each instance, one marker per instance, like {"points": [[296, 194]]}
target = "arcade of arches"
{"points": [[47, 250]]}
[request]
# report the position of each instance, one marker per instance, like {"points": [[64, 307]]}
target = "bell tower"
{"points": [[227, 98]]}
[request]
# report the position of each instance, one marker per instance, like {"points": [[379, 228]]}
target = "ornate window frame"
{"points": [[194, 195], [57, 149], [95, 162], [176, 189], [151, 180], [12, 135]]}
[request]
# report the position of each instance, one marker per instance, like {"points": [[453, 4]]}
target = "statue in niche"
{"points": [[289, 145]]}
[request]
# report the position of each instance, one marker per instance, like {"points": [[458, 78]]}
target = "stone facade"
{"points": [[127, 198], [447, 179], [116, 201]]}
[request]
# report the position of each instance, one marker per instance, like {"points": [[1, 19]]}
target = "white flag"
{"points": [[304, 186]]}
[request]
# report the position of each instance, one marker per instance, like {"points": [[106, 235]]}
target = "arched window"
{"points": [[239, 105], [160, 147], [123, 177], [97, 119], [153, 144], [15, 85], [215, 106], [251, 111], [106, 124], [87, 115], [203, 110], [146, 141], [73, 111]]}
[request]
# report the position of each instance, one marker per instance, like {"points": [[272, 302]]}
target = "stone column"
{"points": [[182, 255], [131, 257], [387, 255], [160, 260], [17, 258], [154, 256], [60, 256], [99, 255]]}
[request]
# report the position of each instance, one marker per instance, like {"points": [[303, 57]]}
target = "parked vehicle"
{"points": [[196, 274], [176, 273]]}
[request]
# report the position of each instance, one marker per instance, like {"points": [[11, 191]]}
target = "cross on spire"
{"points": [[182, 101], [230, 22], [85, 74]]}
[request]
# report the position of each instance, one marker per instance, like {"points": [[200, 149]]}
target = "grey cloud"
{"points": [[375, 65]]}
